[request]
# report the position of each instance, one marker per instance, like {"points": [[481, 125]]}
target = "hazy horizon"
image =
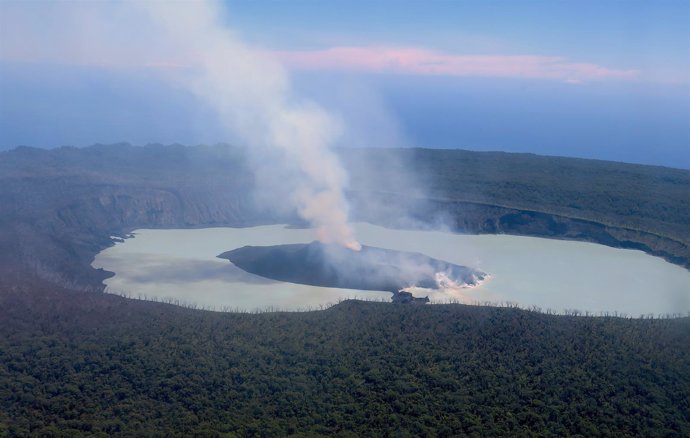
{"points": [[593, 80]]}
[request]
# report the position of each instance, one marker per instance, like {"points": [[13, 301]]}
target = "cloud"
{"points": [[420, 61], [94, 34]]}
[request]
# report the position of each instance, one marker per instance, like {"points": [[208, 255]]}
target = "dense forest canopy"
{"points": [[84, 364]]}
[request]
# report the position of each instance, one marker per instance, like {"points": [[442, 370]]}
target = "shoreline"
{"points": [[508, 260]]}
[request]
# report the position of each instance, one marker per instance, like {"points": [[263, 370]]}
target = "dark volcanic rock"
{"points": [[330, 265]]}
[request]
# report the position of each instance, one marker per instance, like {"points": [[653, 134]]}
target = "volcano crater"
{"points": [[371, 268]]}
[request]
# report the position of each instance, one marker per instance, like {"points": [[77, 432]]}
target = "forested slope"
{"points": [[615, 204], [635, 196], [84, 364]]}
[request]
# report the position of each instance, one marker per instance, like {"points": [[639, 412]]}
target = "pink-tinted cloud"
{"points": [[427, 62]]}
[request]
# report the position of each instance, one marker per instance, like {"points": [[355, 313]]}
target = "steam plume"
{"points": [[290, 138], [187, 44]]}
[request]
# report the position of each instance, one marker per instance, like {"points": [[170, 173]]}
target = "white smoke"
{"points": [[451, 290], [291, 138], [188, 45]]}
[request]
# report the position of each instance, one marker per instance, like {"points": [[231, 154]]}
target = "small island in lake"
{"points": [[371, 268]]}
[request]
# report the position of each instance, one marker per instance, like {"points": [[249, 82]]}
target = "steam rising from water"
{"points": [[290, 138], [449, 287], [188, 46]]}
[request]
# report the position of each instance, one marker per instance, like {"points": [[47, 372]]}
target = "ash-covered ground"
{"points": [[331, 265]]}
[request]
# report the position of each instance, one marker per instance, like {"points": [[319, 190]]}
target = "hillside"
{"points": [[61, 206], [84, 364], [615, 204], [76, 362]]}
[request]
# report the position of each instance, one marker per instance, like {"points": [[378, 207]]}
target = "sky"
{"points": [[594, 79]]}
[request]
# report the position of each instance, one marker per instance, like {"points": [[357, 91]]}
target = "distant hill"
{"points": [[60, 206], [623, 198]]}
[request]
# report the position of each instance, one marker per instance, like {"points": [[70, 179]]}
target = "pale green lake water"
{"points": [[551, 274]]}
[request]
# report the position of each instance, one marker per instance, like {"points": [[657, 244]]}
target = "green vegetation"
{"points": [[640, 197], [90, 364], [615, 204], [60, 206], [647, 198], [98, 365]]}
